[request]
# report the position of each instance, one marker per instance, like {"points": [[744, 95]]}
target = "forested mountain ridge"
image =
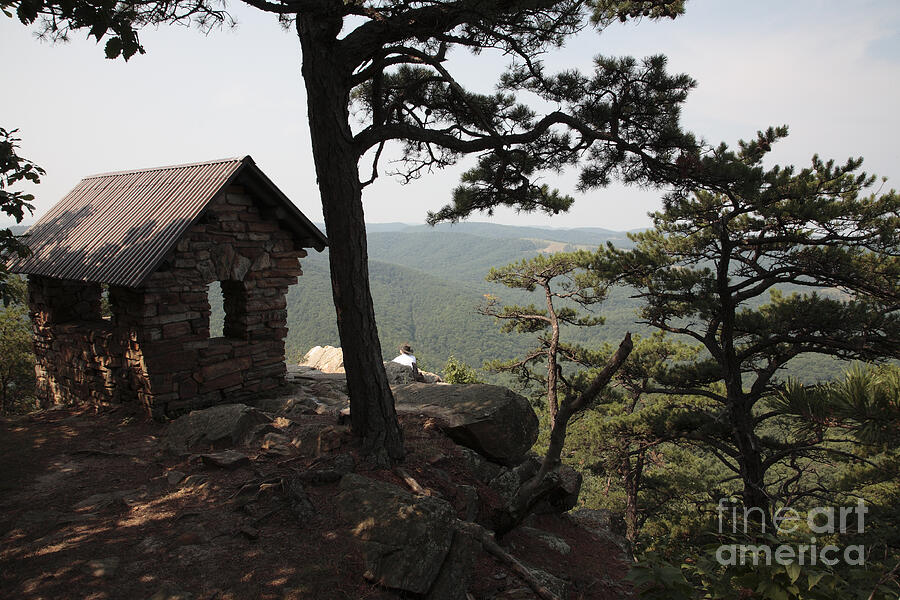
{"points": [[590, 236], [426, 282]]}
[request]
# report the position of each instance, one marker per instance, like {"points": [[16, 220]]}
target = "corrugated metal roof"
{"points": [[117, 227]]}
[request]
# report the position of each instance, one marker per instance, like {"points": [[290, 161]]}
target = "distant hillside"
{"points": [[436, 316], [426, 282], [448, 255], [588, 236]]}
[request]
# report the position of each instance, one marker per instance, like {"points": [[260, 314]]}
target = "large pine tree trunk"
{"points": [[749, 460], [327, 80], [740, 407]]}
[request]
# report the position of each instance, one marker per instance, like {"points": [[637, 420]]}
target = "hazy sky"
{"points": [[830, 72]]}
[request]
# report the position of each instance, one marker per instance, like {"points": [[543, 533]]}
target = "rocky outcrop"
{"points": [[219, 426], [327, 359], [607, 525], [492, 420], [559, 492], [409, 542], [398, 374]]}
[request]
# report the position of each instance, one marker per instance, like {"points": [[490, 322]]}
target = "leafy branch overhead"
{"points": [[623, 117], [14, 170]]}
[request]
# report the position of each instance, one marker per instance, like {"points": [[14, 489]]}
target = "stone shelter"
{"points": [[119, 281]]}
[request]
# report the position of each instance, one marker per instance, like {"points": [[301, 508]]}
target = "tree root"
{"points": [[491, 546]]}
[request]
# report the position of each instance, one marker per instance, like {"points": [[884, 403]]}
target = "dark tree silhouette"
{"points": [[388, 59], [714, 256]]}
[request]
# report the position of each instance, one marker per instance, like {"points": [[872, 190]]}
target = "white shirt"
{"points": [[406, 359]]}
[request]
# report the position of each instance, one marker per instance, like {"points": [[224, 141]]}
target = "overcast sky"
{"points": [[830, 72]]}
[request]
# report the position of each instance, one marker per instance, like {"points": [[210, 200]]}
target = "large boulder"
{"points": [[327, 359], [409, 542], [399, 374], [560, 491], [219, 426], [490, 419]]}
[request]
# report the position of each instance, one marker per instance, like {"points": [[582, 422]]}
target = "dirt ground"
{"points": [[91, 507]]}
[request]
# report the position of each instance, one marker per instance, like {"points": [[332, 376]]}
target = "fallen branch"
{"points": [[491, 546], [414, 485]]}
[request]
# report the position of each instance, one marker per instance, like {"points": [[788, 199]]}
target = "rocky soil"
{"points": [[269, 503]]}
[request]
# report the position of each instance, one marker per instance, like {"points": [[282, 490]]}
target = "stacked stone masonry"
{"points": [[155, 348]]}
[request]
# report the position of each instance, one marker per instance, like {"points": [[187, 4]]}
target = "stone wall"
{"points": [[156, 348]]}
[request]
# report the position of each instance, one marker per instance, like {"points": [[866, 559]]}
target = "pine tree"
{"points": [[559, 278], [627, 429], [388, 61], [744, 233]]}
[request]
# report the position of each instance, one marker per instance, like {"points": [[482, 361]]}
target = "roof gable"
{"points": [[117, 227]]}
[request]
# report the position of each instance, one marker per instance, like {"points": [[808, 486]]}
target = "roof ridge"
{"points": [[232, 159]]}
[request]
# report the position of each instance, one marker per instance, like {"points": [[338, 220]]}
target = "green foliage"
{"points": [[565, 285], [739, 234], [714, 575], [861, 468], [118, 22], [458, 372], [606, 11], [866, 403], [17, 378], [639, 442], [626, 115], [13, 170]]}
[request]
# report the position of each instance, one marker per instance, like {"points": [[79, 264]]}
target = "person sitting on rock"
{"points": [[407, 358]]}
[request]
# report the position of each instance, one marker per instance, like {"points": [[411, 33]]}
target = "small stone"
{"points": [[175, 477], [171, 592], [306, 440], [324, 409], [332, 437], [151, 545], [277, 443], [99, 502], [260, 431], [280, 450], [229, 459], [297, 496], [104, 567], [251, 533], [553, 541]]}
